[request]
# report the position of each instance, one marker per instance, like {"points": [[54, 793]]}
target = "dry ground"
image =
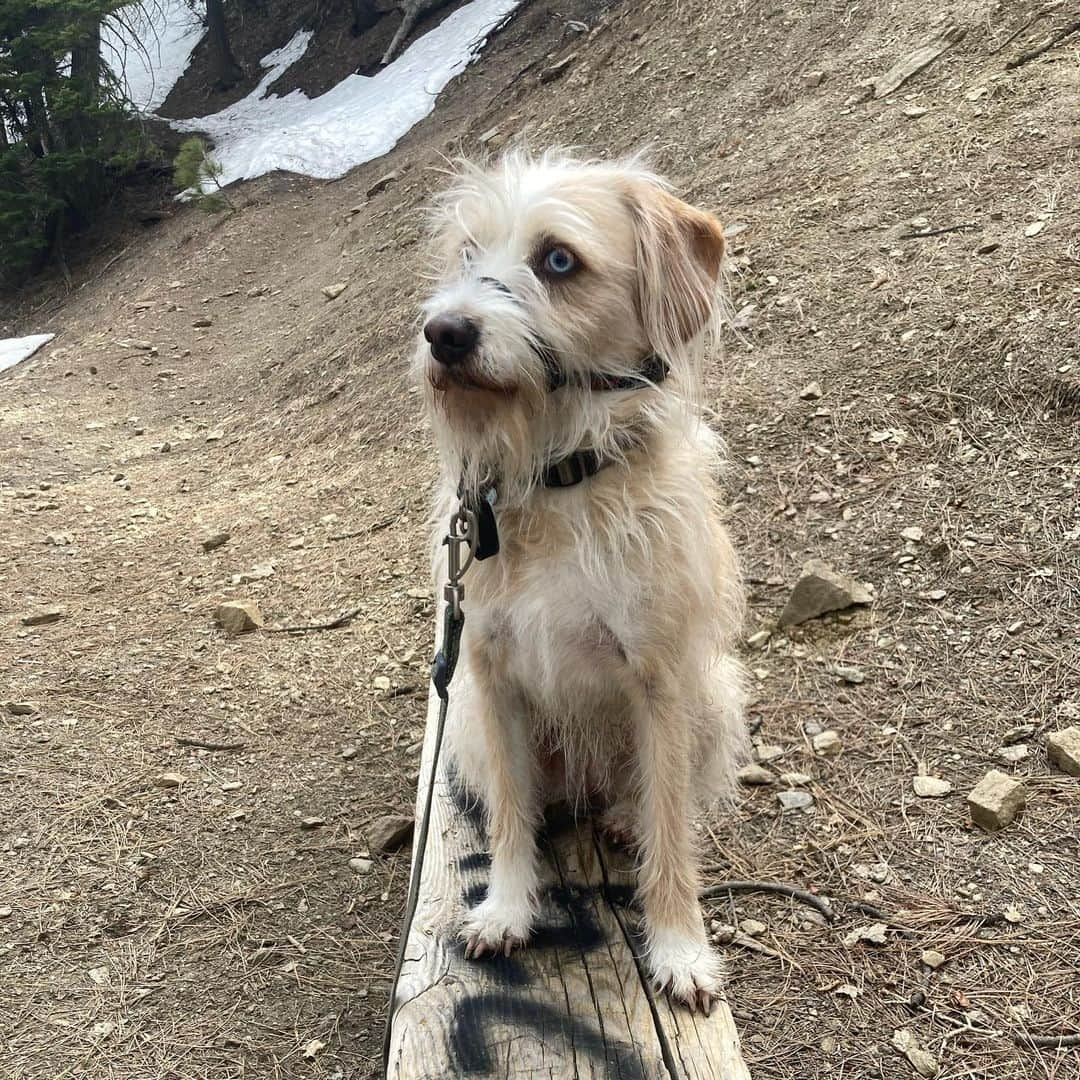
{"points": [[201, 931]]}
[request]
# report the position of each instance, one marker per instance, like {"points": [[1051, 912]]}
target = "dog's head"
{"points": [[555, 274]]}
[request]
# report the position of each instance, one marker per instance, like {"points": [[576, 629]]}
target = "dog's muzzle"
{"points": [[453, 338]]}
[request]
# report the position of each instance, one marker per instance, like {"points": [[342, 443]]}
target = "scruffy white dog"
{"points": [[561, 363]]}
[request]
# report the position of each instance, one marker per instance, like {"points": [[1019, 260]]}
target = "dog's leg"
{"points": [[679, 956], [503, 920]]}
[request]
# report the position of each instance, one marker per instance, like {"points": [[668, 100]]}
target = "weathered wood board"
{"points": [[574, 1004]]}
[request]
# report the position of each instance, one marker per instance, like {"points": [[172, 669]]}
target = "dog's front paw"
{"points": [[685, 967], [492, 928]]}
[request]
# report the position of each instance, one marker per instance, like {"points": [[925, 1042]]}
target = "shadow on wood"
{"points": [[575, 1003]]}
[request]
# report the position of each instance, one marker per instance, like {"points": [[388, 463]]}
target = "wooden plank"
{"points": [[572, 1004]]}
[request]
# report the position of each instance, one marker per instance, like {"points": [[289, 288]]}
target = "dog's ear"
{"points": [[680, 254]]}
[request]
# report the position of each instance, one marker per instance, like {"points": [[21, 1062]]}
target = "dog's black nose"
{"points": [[453, 338]]}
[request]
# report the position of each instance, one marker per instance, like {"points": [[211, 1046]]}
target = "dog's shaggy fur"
{"points": [[597, 654]]}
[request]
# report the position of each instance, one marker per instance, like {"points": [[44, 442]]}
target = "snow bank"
{"points": [[15, 349], [359, 119], [148, 46]]}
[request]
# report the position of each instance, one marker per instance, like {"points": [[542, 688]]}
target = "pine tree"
{"points": [[195, 171]]}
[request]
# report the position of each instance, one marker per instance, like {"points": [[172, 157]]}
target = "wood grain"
{"points": [[573, 1004]]}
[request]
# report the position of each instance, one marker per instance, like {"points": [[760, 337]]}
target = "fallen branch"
{"points": [[914, 62], [778, 888], [1047, 44], [1050, 1042], [1040, 14], [333, 624], [965, 226], [204, 744]]}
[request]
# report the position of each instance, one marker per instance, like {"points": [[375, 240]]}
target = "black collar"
{"points": [[571, 470], [653, 370]]}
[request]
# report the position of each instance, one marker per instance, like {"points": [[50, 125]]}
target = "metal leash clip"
{"points": [[463, 532]]}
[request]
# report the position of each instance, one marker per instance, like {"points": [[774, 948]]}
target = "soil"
{"points": [[200, 382]]}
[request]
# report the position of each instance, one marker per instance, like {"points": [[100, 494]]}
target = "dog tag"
{"points": [[487, 530]]}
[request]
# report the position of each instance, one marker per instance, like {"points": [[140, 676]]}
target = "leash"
{"points": [[465, 532]]}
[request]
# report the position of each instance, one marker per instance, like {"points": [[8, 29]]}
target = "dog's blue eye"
{"points": [[559, 261]]}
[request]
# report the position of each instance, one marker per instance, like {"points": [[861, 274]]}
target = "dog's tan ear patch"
{"points": [[680, 252]]}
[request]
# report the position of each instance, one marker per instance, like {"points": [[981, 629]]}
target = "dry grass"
{"points": [[200, 931]]}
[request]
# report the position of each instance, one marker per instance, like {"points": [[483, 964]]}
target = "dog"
{"points": [[561, 366]]}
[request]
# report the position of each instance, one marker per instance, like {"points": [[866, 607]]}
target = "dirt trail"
{"points": [[922, 268]]}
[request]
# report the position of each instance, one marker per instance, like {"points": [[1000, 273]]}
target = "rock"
{"points": [[1012, 755], [759, 640], [850, 674], [827, 743], [755, 776], [922, 1061], [313, 1049], [796, 779], [312, 822], [348, 752], [215, 436], [933, 594], [239, 616], [795, 800], [383, 183], [1035, 228], [59, 539], [987, 248], [930, 787], [360, 866], [381, 682], [20, 708], [5, 912], [819, 590], [1018, 734], [44, 616], [913, 533], [557, 71], [752, 927], [723, 933], [168, 780], [389, 833], [813, 78], [913, 112], [810, 392], [1063, 750], [933, 959], [203, 322], [995, 800], [215, 540], [874, 934], [767, 752], [485, 137], [332, 292]]}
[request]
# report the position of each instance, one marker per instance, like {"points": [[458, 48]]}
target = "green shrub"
{"points": [[194, 171]]}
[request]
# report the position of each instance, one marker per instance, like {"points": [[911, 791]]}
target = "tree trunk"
{"points": [[226, 70]]}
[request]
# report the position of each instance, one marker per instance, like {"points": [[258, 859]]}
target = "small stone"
{"points": [[360, 866], [850, 674], [215, 540], [203, 322], [813, 78], [44, 616], [995, 800], [913, 112], [312, 822], [332, 292], [383, 183], [485, 137], [1018, 734], [874, 934], [913, 533], [819, 590], [987, 248], [168, 780], [930, 787], [381, 682], [752, 927], [933, 594], [239, 616], [933, 959], [810, 392], [795, 800], [389, 833], [232, 785], [296, 543], [827, 744], [767, 752], [5, 912], [59, 539], [556, 71], [20, 708], [796, 779], [1012, 914], [759, 640], [215, 436], [313, 1049], [348, 752], [922, 1061], [1035, 228], [1014, 754], [1063, 750], [755, 776]]}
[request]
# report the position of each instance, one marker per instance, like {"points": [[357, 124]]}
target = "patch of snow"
{"points": [[359, 119], [16, 349], [148, 46]]}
